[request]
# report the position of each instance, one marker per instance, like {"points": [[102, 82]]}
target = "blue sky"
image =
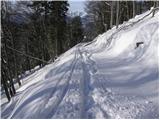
{"points": [[76, 6]]}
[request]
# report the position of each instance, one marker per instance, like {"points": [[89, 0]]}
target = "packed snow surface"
{"points": [[107, 78]]}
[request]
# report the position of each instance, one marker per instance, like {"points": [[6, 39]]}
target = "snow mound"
{"points": [[110, 77]]}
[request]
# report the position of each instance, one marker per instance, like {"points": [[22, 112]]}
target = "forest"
{"points": [[35, 33]]}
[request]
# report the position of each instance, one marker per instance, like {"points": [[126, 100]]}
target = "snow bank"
{"points": [[107, 78]]}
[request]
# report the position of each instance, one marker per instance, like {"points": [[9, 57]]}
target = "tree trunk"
{"points": [[134, 10], [27, 59], [46, 38], [70, 40], [56, 42], [11, 84], [15, 65], [8, 72], [14, 56], [103, 23], [111, 20], [4, 81], [127, 10], [117, 14], [6, 90]]}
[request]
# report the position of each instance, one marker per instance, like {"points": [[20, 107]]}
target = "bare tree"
{"points": [[111, 20], [117, 14], [134, 10], [127, 10]]}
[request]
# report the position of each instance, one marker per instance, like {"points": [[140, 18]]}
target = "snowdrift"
{"points": [[109, 77]]}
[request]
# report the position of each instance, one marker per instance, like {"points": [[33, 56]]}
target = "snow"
{"points": [[105, 78]]}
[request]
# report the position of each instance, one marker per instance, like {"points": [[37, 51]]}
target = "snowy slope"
{"points": [[105, 78]]}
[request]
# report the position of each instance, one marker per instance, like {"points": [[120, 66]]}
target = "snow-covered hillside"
{"points": [[107, 78]]}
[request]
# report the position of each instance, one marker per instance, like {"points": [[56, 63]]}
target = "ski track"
{"points": [[91, 99], [89, 69], [85, 86], [21, 95], [60, 96], [65, 89]]}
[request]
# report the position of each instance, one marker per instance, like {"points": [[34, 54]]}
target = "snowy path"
{"points": [[105, 78], [85, 84]]}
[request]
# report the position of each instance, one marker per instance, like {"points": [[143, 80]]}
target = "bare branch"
{"points": [[107, 3], [27, 55]]}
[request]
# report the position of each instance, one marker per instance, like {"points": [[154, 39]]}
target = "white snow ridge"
{"points": [[110, 77]]}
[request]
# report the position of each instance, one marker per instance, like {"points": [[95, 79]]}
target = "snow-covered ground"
{"points": [[106, 78]]}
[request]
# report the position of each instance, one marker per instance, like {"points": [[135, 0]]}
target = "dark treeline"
{"points": [[37, 32], [34, 33]]}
